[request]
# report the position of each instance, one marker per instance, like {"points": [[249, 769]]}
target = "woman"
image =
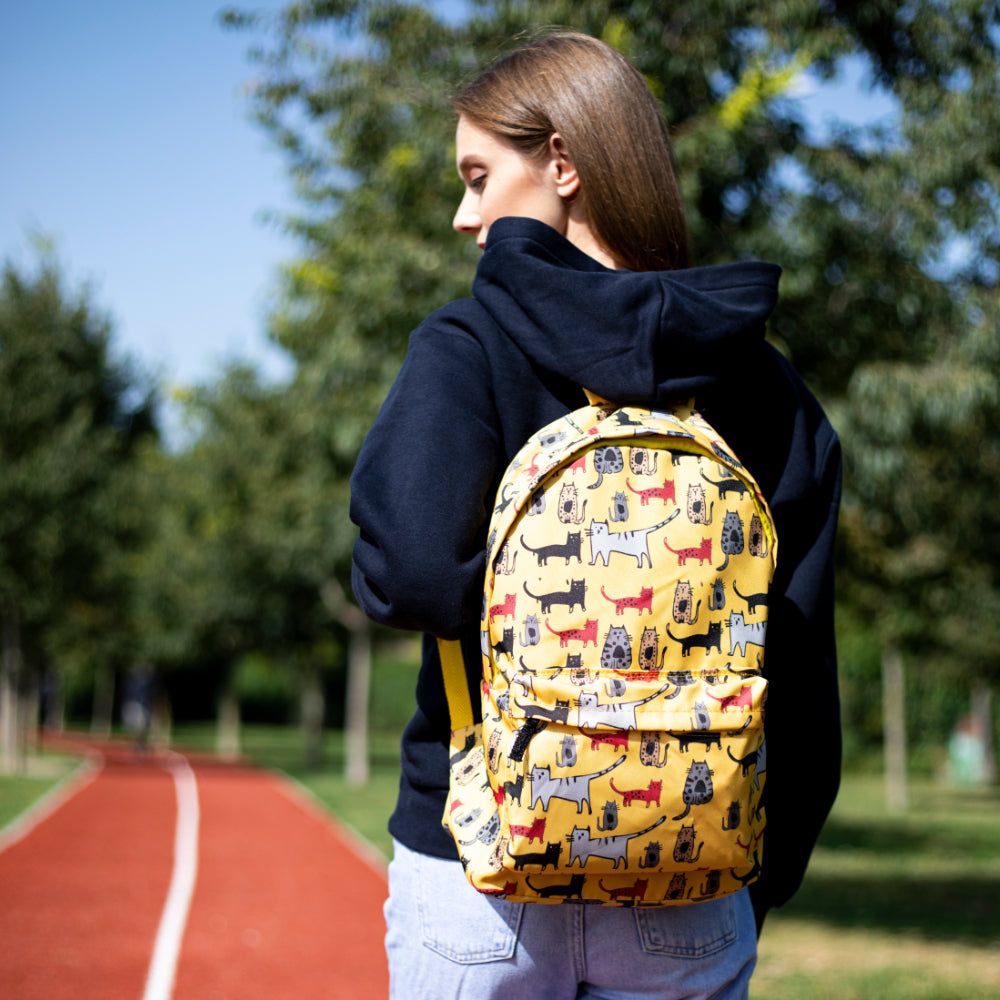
{"points": [[584, 281]]}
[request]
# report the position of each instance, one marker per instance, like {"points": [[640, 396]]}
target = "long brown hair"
{"points": [[578, 86]]}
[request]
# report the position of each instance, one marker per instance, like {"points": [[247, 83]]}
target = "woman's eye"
{"points": [[476, 183]]}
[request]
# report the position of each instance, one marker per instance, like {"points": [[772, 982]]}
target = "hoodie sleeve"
{"points": [[803, 708], [420, 491]]}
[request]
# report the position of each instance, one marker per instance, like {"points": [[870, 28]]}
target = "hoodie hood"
{"points": [[641, 337]]}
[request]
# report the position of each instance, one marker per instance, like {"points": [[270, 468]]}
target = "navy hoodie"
{"points": [[482, 374]]}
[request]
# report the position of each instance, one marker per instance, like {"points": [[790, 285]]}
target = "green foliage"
{"points": [[896, 335], [73, 417], [266, 692]]}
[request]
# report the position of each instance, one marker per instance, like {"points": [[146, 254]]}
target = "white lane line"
{"points": [[56, 797], [166, 951]]}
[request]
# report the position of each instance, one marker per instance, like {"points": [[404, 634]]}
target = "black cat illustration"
{"points": [[745, 762], [558, 714], [725, 456], [651, 856], [568, 890], [727, 486], [709, 887], [706, 739], [706, 640], [550, 856], [732, 818], [749, 876], [505, 501], [512, 789], [570, 549], [624, 420], [753, 600], [571, 598], [505, 647]]}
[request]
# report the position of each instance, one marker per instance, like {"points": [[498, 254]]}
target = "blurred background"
{"points": [[219, 226]]}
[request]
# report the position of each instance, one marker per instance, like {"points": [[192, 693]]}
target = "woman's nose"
{"points": [[467, 219]]}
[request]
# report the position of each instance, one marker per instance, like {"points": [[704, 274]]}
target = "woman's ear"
{"points": [[562, 168]]}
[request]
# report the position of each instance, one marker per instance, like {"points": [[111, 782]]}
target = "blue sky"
{"points": [[127, 139]]}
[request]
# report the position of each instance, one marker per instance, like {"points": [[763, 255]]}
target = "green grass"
{"points": [[894, 907], [897, 907], [42, 771]]}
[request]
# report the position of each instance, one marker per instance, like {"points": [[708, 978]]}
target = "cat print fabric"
{"points": [[620, 759]]}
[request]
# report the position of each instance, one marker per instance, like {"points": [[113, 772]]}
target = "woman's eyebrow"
{"points": [[468, 161]]}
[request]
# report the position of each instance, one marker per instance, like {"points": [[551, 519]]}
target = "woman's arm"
{"points": [[803, 708], [421, 491]]}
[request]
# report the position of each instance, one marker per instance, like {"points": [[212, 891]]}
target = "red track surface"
{"points": [[284, 906]]}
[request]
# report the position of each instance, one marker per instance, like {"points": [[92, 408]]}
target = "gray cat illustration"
{"points": [[532, 634], [609, 817], [620, 510], [732, 542], [617, 651], [698, 788], [620, 715], [572, 788], [567, 752], [583, 847], [607, 461]]}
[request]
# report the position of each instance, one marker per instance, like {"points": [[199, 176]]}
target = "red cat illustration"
{"points": [[741, 700], [648, 795], [665, 492], [534, 832], [609, 739], [701, 552], [505, 610], [637, 890], [586, 634], [643, 602]]}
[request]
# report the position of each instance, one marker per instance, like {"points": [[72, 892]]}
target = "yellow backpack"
{"points": [[621, 758]]}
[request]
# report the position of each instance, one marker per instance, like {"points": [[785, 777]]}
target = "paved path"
{"points": [[180, 876]]}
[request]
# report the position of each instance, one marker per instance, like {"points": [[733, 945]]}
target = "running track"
{"points": [[264, 896]]}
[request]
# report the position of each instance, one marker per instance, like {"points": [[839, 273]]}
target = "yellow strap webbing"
{"points": [[594, 399], [456, 687]]}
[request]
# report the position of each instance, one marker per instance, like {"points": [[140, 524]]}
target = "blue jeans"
{"points": [[445, 941]]}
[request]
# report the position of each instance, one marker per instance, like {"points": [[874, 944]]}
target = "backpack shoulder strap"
{"points": [[456, 687]]}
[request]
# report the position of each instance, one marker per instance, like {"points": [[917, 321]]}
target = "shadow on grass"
{"points": [[936, 838], [945, 909]]}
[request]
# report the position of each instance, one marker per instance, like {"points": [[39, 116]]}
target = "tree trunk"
{"points": [[11, 759], [104, 700], [359, 668], [981, 709], [227, 730], [894, 729], [32, 702], [160, 723], [312, 708], [359, 671], [55, 701]]}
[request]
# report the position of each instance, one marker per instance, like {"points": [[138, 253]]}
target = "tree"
{"points": [[246, 540], [354, 93], [71, 418]]}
